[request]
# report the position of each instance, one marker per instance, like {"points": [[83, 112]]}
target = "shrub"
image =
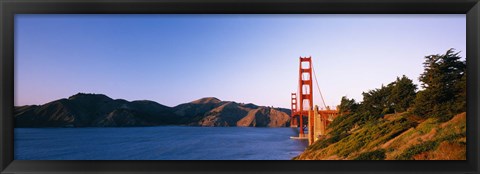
{"points": [[373, 155], [324, 143], [417, 149]]}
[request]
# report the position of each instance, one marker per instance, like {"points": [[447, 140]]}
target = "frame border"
{"points": [[8, 9]]}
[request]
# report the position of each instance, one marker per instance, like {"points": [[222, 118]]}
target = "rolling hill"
{"points": [[98, 110]]}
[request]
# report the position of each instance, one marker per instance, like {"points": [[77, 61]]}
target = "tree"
{"points": [[441, 77], [377, 102], [461, 95], [347, 105], [402, 94]]}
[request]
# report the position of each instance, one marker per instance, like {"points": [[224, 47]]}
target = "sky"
{"points": [[173, 59]]}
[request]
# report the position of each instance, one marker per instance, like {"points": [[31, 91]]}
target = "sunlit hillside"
{"points": [[396, 137], [399, 122]]}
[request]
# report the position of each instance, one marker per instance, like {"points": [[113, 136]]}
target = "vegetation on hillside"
{"points": [[399, 121]]}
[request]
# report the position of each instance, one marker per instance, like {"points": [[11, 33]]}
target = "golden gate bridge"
{"points": [[303, 113]]}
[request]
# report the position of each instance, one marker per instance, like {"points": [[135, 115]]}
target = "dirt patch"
{"points": [[455, 120], [449, 151], [422, 156], [391, 117]]}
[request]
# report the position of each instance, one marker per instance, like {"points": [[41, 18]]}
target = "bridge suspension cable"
{"points": [[318, 86]]}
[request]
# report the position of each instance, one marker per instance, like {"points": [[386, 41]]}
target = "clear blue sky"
{"points": [[173, 59]]}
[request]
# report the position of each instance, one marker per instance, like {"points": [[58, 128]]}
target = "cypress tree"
{"points": [[402, 94], [441, 80]]}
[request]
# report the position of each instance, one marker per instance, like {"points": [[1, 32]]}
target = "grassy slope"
{"points": [[396, 136]]}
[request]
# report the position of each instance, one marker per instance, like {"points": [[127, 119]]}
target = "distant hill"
{"points": [[214, 112], [98, 110]]}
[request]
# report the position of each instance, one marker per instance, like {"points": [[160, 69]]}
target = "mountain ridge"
{"points": [[99, 110]]}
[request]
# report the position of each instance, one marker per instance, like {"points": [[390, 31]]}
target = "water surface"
{"points": [[157, 143]]}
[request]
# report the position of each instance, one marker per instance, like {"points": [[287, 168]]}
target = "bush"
{"points": [[324, 143], [373, 155], [417, 149]]}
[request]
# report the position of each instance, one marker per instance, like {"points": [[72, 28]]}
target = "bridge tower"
{"points": [[293, 120], [302, 106], [305, 89]]}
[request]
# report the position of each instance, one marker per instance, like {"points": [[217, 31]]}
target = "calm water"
{"points": [[157, 143]]}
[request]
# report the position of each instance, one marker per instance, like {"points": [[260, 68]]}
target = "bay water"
{"points": [[157, 143]]}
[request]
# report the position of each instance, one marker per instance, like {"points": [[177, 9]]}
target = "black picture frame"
{"points": [[9, 8]]}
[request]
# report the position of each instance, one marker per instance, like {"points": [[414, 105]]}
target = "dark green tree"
{"points": [[441, 82], [376, 102], [461, 95], [347, 105], [402, 94]]}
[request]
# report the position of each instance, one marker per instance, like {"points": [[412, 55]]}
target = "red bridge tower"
{"points": [[306, 95]]}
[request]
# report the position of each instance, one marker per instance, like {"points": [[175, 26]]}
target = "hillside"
{"points": [[214, 112], [399, 122], [98, 110], [395, 137]]}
